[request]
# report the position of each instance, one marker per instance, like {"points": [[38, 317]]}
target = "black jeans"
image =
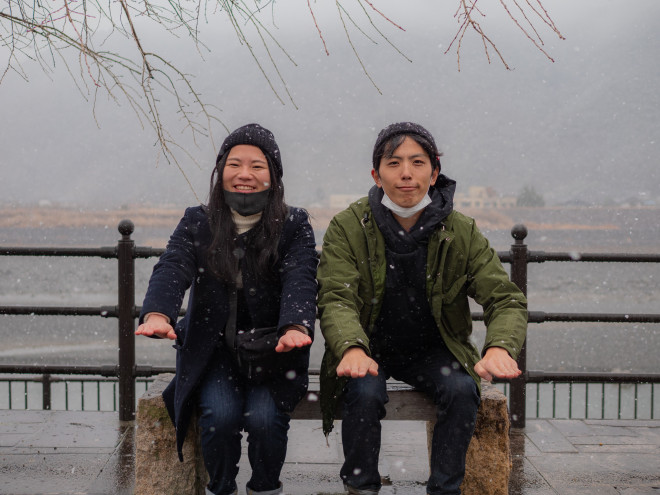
{"points": [[456, 396]]}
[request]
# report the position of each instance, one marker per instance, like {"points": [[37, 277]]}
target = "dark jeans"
{"points": [[227, 406], [456, 396]]}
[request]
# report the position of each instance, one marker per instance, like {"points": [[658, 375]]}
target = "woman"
{"points": [[246, 241]]}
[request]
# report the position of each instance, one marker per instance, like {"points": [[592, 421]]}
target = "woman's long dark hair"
{"points": [[262, 239]]}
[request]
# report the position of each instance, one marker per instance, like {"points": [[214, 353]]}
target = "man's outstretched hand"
{"points": [[356, 364], [497, 363]]}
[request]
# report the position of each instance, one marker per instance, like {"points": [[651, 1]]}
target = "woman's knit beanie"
{"points": [[258, 136]]}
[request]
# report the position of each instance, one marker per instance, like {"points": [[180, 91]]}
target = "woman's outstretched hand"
{"points": [[292, 339], [156, 325]]}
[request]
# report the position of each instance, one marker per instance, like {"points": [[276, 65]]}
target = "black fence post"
{"points": [[519, 277], [125, 310], [46, 391]]}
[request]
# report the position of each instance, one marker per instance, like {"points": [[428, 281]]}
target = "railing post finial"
{"points": [[519, 233], [126, 228]]}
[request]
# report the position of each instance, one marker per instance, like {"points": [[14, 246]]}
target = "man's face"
{"points": [[407, 175]]}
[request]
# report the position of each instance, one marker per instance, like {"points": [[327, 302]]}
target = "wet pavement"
{"points": [[64, 452]]}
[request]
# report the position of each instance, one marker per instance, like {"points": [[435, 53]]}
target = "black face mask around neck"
{"points": [[246, 204]]}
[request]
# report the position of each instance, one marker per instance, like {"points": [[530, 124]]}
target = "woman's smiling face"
{"points": [[246, 170]]}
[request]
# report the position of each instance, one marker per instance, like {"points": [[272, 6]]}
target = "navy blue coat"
{"points": [[289, 300]]}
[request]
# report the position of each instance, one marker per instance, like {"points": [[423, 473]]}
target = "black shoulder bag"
{"points": [[253, 349]]}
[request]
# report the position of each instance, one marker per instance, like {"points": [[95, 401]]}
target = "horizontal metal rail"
{"points": [[54, 369], [543, 317], [108, 252], [148, 252], [533, 317], [542, 256], [104, 311], [589, 377], [100, 252], [103, 370]]}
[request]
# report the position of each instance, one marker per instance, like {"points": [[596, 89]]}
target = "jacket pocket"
{"points": [[455, 315], [453, 291]]}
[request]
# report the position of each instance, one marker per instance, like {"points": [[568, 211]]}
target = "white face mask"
{"points": [[405, 212]]}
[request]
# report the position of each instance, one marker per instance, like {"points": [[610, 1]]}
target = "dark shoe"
{"points": [[276, 491], [356, 491]]}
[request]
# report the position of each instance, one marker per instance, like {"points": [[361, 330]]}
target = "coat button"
{"points": [[252, 291]]}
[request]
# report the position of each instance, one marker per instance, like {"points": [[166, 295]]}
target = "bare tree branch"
{"points": [[135, 37], [49, 32], [348, 37], [325, 47], [467, 10]]}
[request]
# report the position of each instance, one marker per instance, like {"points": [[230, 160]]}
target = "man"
{"points": [[395, 274]]}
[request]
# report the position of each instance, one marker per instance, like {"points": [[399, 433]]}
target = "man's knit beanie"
{"points": [[258, 136], [406, 128]]}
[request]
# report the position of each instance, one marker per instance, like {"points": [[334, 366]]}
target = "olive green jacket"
{"points": [[460, 263]]}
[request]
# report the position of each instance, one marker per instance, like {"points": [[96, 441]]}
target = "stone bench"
{"points": [[158, 470]]}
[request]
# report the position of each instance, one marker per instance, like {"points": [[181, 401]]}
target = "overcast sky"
{"points": [[582, 128]]}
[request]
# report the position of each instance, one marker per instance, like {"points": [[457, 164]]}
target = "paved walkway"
{"points": [[63, 453]]}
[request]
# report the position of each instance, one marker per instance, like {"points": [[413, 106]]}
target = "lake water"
{"points": [[552, 286]]}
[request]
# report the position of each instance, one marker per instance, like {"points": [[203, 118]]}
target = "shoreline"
{"points": [[577, 218], [572, 228]]}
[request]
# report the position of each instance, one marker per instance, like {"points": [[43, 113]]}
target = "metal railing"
{"points": [[127, 372], [76, 393], [519, 257]]}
